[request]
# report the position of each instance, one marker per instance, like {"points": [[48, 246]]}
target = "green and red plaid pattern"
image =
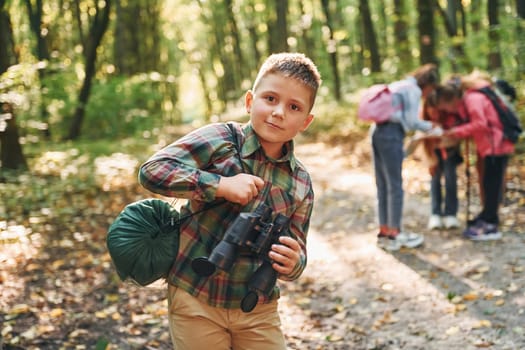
{"points": [[191, 167]]}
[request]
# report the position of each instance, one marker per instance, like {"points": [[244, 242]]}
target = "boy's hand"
{"points": [[285, 255], [241, 188]]}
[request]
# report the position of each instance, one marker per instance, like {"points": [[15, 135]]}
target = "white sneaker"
{"points": [[451, 222], [435, 222], [404, 239]]}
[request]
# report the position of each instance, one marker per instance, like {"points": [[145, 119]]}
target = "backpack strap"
{"points": [[236, 143], [208, 206]]}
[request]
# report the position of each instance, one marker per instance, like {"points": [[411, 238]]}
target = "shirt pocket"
{"points": [[226, 162]]}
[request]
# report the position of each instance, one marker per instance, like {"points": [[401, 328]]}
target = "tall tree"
{"points": [[520, 35], [241, 69], [369, 37], [307, 42], [136, 44], [11, 154], [332, 49], [277, 12], [427, 32], [459, 61], [35, 13], [494, 56], [402, 43], [97, 28], [251, 24], [216, 55]]}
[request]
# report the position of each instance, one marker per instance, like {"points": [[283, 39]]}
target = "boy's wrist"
{"points": [[207, 186]]}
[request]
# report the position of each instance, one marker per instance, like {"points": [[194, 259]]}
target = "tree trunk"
{"points": [[227, 83], [332, 50], [254, 37], [307, 25], [494, 57], [520, 35], [11, 153], [401, 36], [277, 26], [520, 8], [459, 61], [98, 27], [9, 140], [369, 37], [42, 53], [136, 44], [241, 70], [475, 15], [383, 31], [427, 33], [7, 42]]}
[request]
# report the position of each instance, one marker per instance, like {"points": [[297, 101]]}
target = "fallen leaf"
{"points": [[20, 309], [334, 338], [483, 269], [513, 287], [482, 324], [31, 333], [456, 299], [101, 314], [57, 312], [483, 344], [499, 302], [452, 330], [461, 307], [470, 296], [303, 301], [387, 286]]}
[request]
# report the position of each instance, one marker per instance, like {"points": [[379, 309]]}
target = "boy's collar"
{"points": [[252, 144]]}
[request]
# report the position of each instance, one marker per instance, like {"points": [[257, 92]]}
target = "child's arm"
{"points": [[188, 168]]}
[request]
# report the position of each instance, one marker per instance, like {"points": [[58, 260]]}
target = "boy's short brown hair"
{"points": [[294, 65]]}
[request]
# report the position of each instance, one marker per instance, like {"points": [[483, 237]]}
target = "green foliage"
{"points": [[121, 107], [334, 120], [118, 106], [19, 87], [60, 97], [64, 174]]}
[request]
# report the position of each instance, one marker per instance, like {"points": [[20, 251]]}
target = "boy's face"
{"points": [[279, 109]]}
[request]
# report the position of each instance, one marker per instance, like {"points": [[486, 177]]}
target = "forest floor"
{"points": [[59, 290]]}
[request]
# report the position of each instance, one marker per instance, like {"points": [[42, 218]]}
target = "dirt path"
{"points": [[59, 290], [449, 294]]}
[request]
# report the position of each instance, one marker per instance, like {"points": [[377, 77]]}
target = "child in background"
{"points": [[244, 166], [388, 153], [493, 149], [445, 159]]}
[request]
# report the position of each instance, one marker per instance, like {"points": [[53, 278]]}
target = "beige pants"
{"points": [[195, 325]]}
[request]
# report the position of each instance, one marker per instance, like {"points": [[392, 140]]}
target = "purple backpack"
{"points": [[375, 104]]}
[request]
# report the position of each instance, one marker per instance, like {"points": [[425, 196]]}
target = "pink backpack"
{"points": [[376, 104]]}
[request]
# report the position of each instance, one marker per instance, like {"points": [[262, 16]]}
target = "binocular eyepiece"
{"points": [[258, 232]]}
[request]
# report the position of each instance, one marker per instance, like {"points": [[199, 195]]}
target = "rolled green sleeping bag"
{"points": [[143, 241]]}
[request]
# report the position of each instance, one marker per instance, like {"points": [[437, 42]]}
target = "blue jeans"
{"points": [[387, 146], [446, 169]]}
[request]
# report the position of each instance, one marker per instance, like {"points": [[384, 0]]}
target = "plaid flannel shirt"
{"points": [[191, 168]]}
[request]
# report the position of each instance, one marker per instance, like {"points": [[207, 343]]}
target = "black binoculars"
{"points": [[257, 232]]}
